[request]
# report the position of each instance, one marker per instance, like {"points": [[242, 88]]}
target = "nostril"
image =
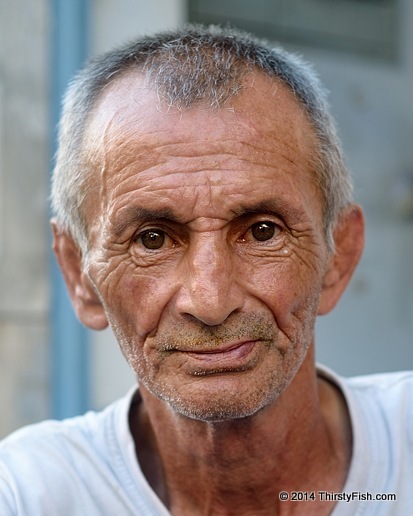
{"points": [[211, 307]]}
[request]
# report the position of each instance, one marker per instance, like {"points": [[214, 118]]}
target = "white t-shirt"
{"points": [[86, 466]]}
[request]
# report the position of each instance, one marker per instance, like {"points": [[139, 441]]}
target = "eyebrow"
{"points": [[133, 215], [272, 206]]}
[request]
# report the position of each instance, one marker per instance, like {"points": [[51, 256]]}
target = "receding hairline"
{"points": [[196, 65], [136, 79], [140, 80]]}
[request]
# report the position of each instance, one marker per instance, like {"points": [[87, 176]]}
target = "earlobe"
{"points": [[85, 299], [349, 243]]}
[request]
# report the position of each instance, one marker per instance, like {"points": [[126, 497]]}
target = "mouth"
{"points": [[233, 356]]}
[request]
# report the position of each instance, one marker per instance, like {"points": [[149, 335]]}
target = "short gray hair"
{"points": [[195, 64]]}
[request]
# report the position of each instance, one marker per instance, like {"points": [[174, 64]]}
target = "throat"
{"points": [[202, 468]]}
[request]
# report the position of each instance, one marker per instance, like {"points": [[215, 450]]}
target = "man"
{"points": [[204, 211]]}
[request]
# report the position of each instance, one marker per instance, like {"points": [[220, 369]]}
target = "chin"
{"points": [[223, 404]]}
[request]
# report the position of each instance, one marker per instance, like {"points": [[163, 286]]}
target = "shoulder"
{"points": [[381, 413], [386, 398], [390, 389], [380, 407], [45, 450], [54, 436], [42, 461], [71, 438], [393, 391], [383, 380], [377, 401]]}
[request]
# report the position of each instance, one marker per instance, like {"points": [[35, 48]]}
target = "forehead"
{"points": [[132, 104], [139, 147]]}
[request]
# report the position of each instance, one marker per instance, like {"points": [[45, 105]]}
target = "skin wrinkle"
{"points": [[250, 59], [164, 149], [135, 157], [264, 155], [132, 216], [190, 187], [207, 287], [256, 129], [243, 244], [187, 165], [109, 278]]}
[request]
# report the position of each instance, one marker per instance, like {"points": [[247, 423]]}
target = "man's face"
{"points": [[207, 244]]}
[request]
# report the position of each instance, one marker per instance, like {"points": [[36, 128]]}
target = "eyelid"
{"points": [[262, 216], [172, 233], [155, 229], [247, 221], [142, 231], [245, 233]]}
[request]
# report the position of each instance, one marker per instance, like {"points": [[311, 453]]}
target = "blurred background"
{"points": [[363, 51]]}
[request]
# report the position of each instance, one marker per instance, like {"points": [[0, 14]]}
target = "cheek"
{"points": [[290, 288], [135, 298]]}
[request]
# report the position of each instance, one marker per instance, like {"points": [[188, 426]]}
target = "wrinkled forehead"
{"points": [[132, 104], [132, 124]]}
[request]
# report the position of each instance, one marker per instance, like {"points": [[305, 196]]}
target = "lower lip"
{"points": [[232, 357]]}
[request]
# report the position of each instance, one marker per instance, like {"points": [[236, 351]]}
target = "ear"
{"points": [[85, 299], [349, 243]]}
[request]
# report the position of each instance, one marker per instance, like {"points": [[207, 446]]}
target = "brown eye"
{"points": [[262, 231], [152, 239]]}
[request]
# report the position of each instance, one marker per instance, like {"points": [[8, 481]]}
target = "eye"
{"points": [[152, 239], [262, 231]]}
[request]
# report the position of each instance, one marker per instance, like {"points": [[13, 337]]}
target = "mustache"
{"points": [[193, 334]]}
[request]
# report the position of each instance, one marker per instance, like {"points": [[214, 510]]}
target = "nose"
{"points": [[209, 291]]}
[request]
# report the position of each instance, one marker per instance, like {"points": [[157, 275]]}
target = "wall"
{"points": [[372, 328], [24, 173]]}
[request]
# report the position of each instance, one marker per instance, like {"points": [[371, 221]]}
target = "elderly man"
{"points": [[203, 210]]}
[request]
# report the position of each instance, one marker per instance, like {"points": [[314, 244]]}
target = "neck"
{"points": [[301, 442]]}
